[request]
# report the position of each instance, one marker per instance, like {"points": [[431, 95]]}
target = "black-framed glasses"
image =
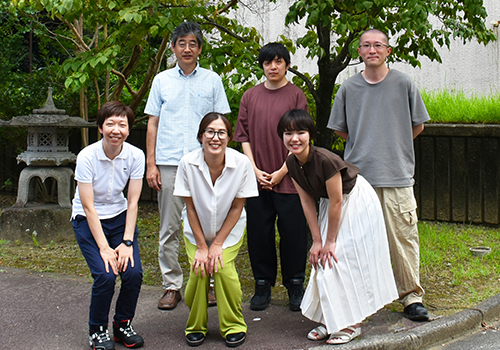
{"points": [[376, 46], [210, 134]]}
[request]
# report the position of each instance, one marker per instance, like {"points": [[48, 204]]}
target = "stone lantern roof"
{"points": [[48, 134], [49, 115]]}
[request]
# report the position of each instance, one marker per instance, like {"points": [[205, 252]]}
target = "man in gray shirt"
{"points": [[379, 112]]}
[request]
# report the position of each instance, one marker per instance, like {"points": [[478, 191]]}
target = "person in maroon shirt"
{"points": [[260, 110]]}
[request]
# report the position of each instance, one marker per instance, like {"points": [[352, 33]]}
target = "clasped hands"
{"points": [[268, 181], [206, 260]]}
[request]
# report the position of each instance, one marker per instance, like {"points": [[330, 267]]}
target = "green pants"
{"points": [[227, 291]]}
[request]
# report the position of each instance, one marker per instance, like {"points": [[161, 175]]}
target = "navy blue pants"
{"points": [[261, 220], [104, 283]]}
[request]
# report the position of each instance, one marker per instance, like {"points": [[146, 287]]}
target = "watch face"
{"points": [[128, 242]]}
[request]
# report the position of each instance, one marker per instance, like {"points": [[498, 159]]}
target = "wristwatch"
{"points": [[127, 242]]}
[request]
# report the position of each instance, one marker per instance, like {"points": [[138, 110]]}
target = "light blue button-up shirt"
{"points": [[181, 102]]}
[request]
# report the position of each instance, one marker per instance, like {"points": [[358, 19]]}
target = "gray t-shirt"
{"points": [[378, 119]]}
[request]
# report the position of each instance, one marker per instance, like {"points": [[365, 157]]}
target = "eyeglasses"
{"points": [[376, 46], [182, 45], [210, 134]]}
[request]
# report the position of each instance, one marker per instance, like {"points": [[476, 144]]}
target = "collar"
{"points": [[199, 159], [181, 72], [102, 156]]}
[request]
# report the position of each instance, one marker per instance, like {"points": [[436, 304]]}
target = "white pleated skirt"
{"points": [[362, 281]]}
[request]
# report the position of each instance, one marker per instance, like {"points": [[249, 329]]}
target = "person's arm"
{"points": [[108, 255], [334, 190], [341, 134], [200, 262], [127, 253], [417, 129], [309, 207], [215, 250], [152, 172], [277, 176], [263, 178]]}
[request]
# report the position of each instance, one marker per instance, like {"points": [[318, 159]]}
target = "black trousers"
{"points": [[261, 218]]}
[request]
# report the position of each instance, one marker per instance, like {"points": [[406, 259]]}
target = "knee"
{"points": [[132, 275], [104, 280]]}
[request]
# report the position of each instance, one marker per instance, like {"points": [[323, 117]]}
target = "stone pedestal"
{"points": [[65, 184], [46, 223]]}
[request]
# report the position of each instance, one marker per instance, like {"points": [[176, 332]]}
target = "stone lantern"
{"points": [[47, 156], [47, 152]]}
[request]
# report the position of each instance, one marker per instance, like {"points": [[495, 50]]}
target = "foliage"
{"points": [[112, 49], [417, 26], [115, 48], [459, 107]]}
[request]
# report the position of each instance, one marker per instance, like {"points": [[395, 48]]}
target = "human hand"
{"points": [[327, 253], [276, 177], [109, 257], [125, 254], [214, 256], [200, 262], [263, 179], [314, 254], [153, 177]]}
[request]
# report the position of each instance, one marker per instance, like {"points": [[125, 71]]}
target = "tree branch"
{"points": [[307, 81], [227, 7]]}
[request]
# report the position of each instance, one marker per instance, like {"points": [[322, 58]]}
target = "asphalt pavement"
{"points": [[49, 311]]}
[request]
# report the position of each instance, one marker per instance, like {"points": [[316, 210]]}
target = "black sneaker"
{"points": [[124, 332], [295, 294], [99, 338], [417, 312], [262, 296]]}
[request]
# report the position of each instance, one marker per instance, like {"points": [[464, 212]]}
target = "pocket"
{"points": [[407, 205]]}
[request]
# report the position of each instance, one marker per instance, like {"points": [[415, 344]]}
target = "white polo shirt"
{"points": [[108, 177], [213, 201]]}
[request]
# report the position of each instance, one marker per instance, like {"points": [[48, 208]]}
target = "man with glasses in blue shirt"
{"points": [[180, 97], [379, 112]]}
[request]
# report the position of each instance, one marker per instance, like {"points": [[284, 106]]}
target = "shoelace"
{"points": [[102, 337], [128, 331]]}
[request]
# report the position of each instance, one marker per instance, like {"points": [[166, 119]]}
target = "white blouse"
{"points": [[213, 201]]}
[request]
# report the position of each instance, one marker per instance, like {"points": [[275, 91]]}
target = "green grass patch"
{"points": [[460, 107], [452, 277]]}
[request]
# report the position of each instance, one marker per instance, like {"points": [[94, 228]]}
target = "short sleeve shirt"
{"points": [[181, 102], [108, 177], [260, 111], [379, 119], [213, 201], [321, 165]]}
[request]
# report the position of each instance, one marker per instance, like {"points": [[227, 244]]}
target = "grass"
{"points": [[460, 107], [452, 277]]}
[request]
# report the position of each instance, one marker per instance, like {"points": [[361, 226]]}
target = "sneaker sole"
{"points": [[260, 307]]}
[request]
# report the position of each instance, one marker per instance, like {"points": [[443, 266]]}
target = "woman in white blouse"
{"points": [[214, 182]]}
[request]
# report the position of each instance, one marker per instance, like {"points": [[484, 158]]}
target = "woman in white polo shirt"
{"points": [[214, 181], [104, 222]]}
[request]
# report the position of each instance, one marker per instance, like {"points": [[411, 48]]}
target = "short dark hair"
{"points": [[209, 118], [295, 120], [272, 50], [186, 28], [377, 31], [115, 108]]}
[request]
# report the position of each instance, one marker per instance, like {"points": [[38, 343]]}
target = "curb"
{"points": [[431, 333]]}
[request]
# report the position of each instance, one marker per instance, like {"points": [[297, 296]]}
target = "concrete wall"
{"points": [[471, 67]]}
